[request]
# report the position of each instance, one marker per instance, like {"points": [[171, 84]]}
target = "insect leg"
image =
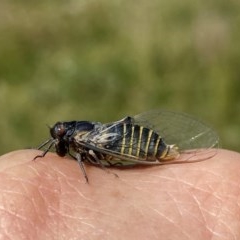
{"points": [[80, 162], [45, 143], [117, 164], [91, 152], [47, 150]]}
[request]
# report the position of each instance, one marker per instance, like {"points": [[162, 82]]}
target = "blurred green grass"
{"points": [[102, 60]]}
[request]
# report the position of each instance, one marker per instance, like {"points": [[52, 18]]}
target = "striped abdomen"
{"points": [[141, 142]]}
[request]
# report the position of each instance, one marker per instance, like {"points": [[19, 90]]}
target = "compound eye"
{"points": [[58, 130]]}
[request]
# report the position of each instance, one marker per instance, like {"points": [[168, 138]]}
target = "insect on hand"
{"points": [[151, 138]]}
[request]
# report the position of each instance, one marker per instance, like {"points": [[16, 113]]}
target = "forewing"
{"points": [[195, 140], [190, 135]]}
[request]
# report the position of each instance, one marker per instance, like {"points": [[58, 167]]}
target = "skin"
{"points": [[49, 199]]}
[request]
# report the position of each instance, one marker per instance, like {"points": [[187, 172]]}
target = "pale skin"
{"points": [[49, 199]]}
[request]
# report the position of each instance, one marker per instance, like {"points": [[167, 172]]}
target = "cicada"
{"points": [[151, 138]]}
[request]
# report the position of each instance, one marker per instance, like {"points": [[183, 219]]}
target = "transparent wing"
{"points": [[194, 139]]}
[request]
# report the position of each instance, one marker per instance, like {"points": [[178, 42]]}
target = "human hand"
{"points": [[49, 199]]}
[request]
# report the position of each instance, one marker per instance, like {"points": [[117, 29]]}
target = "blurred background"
{"points": [[105, 59]]}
